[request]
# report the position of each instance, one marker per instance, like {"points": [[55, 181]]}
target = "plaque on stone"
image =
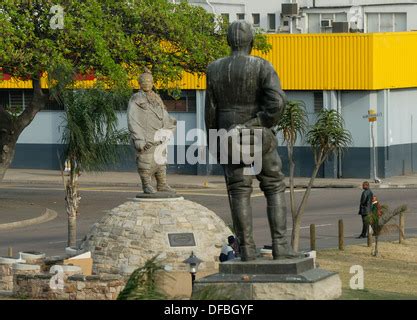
{"points": [[181, 239]]}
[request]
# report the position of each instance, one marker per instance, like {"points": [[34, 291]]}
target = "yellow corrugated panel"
{"points": [[328, 62], [15, 84], [395, 60], [322, 61]]}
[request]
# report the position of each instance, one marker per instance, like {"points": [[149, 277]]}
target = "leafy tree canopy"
{"points": [[113, 38]]}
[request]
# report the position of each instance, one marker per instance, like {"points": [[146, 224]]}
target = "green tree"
{"points": [[378, 219], [326, 137], [91, 140], [293, 124], [114, 39]]}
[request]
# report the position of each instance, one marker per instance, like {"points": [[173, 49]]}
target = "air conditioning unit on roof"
{"points": [[289, 9]]}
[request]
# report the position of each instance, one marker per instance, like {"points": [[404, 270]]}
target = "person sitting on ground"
{"points": [[228, 253]]}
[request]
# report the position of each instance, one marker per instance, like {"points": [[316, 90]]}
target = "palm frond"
{"points": [[328, 135], [142, 283], [380, 224], [294, 121], [91, 135]]}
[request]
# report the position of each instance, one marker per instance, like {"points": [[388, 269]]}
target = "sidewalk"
{"points": [[131, 179]]}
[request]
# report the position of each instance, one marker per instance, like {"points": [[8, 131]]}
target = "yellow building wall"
{"points": [[369, 61], [394, 60]]}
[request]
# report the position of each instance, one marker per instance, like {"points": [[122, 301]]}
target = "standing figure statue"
{"points": [[244, 91], [147, 118]]}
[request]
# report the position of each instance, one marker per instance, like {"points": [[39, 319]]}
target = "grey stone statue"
{"points": [[146, 115], [244, 90]]}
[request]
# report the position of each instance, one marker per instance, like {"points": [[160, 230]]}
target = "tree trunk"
{"points": [[8, 138], [72, 201], [11, 127], [291, 178], [72, 232], [376, 246], [6, 157], [295, 235]]}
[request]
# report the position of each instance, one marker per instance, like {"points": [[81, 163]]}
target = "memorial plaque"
{"points": [[181, 239]]}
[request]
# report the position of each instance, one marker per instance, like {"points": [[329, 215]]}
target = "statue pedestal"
{"points": [[136, 231], [264, 279]]}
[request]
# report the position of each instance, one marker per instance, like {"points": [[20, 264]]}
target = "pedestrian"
{"points": [[228, 253], [365, 208]]}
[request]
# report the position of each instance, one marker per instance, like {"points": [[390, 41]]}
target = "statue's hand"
{"points": [[147, 146], [139, 145], [252, 122]]}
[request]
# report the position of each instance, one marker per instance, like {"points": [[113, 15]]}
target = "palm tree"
{"points": [[327, 136], [293, 124], [378, 220], [142, 283], [91, 140]]}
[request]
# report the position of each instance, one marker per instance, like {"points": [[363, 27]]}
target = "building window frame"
{"points": [[240, 16], [272, 27], [256, 20], [318, 104]]}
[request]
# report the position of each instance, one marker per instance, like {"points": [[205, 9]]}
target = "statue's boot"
{"points": [[277, 218], [242, 223], [161, 180], [145, 177]]}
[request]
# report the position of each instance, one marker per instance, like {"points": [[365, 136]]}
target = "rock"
{"points": [[152, 227]]}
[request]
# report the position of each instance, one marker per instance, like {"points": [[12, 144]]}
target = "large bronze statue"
{"points": [[146, 118], [245, 91]]}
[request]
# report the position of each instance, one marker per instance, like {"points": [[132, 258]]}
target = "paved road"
{"points": [[325, 208]]}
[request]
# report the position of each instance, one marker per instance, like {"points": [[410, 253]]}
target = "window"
{"points": [[373, 22], [256, 19], [322, 23], [185, 103], [225, 17], [271, 22], [17, 100], [240, 16], [314, 23], [386, 22], [318, 101], [400, 22]]}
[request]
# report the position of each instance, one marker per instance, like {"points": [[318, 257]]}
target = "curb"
{"points": [[213, 185], [112, 184], [47, 216], [4, 293]]}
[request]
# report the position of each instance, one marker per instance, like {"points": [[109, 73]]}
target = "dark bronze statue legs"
{"points": [[277, 218], [242, 223], [272, 184]]}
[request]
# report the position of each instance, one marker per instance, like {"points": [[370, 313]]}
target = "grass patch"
{"points": [[349, 294], [391, 275]]}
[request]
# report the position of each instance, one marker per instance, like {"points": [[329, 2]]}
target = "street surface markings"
{"points": [[317, 226], [179, 191]]}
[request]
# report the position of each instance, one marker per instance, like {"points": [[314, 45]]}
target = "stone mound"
{"points": [[136, 231]]}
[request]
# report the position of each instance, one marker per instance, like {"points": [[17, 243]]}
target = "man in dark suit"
{"points": [[245, 90], [365, 208]]}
